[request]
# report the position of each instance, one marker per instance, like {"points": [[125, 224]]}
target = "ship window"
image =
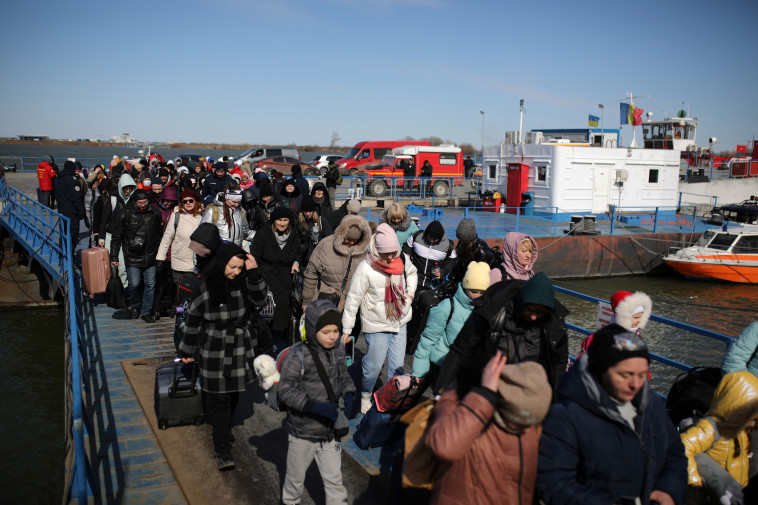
{"points": [[722, 241], [541, 173], [746, 244], [652, 176], [492, 174], [705, 238]]}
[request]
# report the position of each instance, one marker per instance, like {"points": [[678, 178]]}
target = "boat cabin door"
{"points": [[518, 182], [601, 187]]}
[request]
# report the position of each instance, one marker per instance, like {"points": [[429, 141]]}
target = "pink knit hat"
{"points": [[386, 239]]}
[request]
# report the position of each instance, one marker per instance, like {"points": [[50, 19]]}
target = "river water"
{"points": [[31, 379]]}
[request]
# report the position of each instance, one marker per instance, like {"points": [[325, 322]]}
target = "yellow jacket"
{"points": [[734, 405]]}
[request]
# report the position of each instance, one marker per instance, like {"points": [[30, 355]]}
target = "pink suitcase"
{"points": [[96, 269]]}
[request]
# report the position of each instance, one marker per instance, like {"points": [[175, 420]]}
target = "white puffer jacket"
{"points": [[179, 240], [367, 290]]}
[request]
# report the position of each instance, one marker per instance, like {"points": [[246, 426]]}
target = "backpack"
{"points": [[423, 303], [271, 396], [691, 393], [338, 182]]}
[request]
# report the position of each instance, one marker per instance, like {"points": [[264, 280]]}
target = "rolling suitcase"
{"points": [[177, 395], [96, 269]]}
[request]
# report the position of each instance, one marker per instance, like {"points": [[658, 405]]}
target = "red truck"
{"points": [[446, 161], [369, 154]]}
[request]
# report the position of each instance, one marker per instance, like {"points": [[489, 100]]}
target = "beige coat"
{"points": [[178, 240], [328, 262]]}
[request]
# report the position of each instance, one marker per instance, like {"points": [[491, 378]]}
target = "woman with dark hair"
{"points": [[176, 237], [220, 332], [608, 438], [226, 214], [276, 249], [310, 227]]}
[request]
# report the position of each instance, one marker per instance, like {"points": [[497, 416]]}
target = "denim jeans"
{"points": [[390, 345], [138, 296]]}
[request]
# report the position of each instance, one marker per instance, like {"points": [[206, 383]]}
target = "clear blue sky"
{"points": [[281, 71]]}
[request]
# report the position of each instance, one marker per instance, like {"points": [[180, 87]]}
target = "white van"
{"points": [[260, 153]]}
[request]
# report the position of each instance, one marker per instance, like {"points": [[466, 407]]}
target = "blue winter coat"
{"points": [[436, 338], [589, 454], [741, 354]]}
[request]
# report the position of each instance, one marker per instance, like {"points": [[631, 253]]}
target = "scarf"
{"points": [[394, 292], [281, 239]]}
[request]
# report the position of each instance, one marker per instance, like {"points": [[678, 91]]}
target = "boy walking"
{"points": [[316, 401]]}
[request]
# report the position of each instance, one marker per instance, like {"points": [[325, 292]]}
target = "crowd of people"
{"points": [[276, 269]]}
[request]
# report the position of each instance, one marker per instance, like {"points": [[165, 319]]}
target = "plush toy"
{"points": [[265, 369]]}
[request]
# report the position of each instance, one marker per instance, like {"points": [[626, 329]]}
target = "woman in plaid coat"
{"points": [[220, 324]]}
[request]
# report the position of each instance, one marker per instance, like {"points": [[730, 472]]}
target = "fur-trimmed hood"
{"points": [[404, 224], [735, 402], [361, 246], [625, 309]]}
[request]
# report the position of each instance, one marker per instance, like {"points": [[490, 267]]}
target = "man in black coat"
{"points": [[139, 229], [300, 182], [468, 167], [216, 182], [521, 319], [70, 197], [332, 176]]}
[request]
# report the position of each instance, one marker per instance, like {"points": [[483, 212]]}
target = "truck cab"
{"points": [[369, 154]]}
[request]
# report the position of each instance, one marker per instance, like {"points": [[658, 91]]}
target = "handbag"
{"points": [[391, 399], [335, 297], [115, 296], [421, 467], [341, 425]]}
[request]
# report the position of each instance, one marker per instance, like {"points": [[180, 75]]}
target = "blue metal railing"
{"points": [[669, 322], [29, 163], [46, 235]]}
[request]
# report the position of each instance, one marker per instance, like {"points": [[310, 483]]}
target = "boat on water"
{"points": [[721, 254]]}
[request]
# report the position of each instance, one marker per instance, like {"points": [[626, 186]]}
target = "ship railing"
{"points": [[46, 236], [668, 362], [431, 190], [29, 163]]}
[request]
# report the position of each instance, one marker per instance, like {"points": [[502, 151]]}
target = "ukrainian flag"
{"points": [[593, 120]]}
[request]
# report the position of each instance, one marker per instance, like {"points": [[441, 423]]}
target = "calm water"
{"points": [[32, 393]]}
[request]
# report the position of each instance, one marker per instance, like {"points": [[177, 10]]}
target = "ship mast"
{"points": [[629, 96]]}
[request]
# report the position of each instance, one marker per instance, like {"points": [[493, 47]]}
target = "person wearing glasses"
{"points": [[183, 222], [446, 320]]}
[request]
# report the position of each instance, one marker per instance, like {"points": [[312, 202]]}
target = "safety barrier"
{"points": [[29, 163], [46, 236]]}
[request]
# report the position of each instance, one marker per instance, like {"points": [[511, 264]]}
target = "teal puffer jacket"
{"points": [[436, 338]]}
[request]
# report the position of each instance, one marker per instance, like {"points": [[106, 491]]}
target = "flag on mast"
{"points": [[631, 115], [593, 121]]}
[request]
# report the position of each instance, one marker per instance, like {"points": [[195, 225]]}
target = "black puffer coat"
{"points": [[481, 252], [139, 233], [496, 323]]}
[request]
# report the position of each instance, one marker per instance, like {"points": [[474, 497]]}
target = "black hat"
{"points": [[220, 165], [266, 190], [435, 230], [611, 344], [207, 234], [308, 204], [139, 194], [162, 172], [248, 196], [280, 213]]}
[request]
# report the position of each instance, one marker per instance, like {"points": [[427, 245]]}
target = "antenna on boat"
{"points": [[629, 96], [521, 120]]}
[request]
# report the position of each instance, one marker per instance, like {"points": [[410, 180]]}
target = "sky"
{"points": [[296, 71]]}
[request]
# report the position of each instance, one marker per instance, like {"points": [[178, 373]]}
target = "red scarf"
{"points": [[394, 293]]}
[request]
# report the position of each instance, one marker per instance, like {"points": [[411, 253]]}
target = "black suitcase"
{"points": [[177, 395]]}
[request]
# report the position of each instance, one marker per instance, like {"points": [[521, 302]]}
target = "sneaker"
{"points": [[226, 463], [365, 402], [148, 318], [134, 312]]}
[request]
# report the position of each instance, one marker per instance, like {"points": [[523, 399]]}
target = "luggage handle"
{"points": [[182, 389]]}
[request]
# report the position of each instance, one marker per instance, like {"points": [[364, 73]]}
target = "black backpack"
{"points": [[422, 304], [691, 393]]}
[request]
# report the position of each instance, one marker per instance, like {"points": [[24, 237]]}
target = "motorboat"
{"points": [[729, 254]]}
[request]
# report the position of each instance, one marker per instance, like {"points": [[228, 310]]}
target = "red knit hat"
{"points": [[618, 297]]}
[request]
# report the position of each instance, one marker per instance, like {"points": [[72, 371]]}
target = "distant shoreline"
{"points": [[169, 145]]}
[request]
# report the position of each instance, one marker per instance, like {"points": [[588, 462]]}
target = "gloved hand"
{"points": [[159, 266], [327, 410], [349, 405]]}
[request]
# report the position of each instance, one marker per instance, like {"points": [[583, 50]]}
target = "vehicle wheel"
{"points": [[163, 424], [440, 189], [378, 188], [352, 172], [309, 172], [323, 171]]}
